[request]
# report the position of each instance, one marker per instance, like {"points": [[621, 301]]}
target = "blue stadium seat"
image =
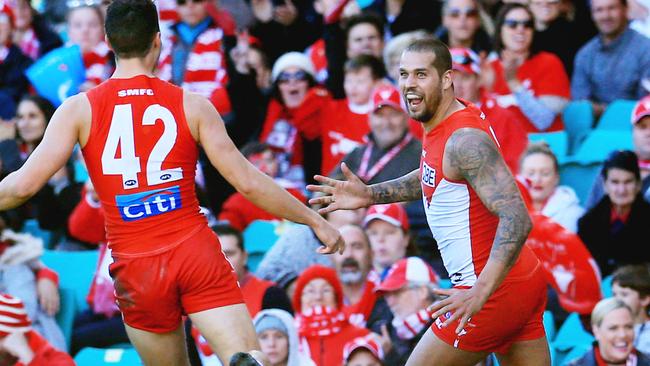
{"points": [[617, 116], [578, 117], [259, 236], [576, 352], [31, 227], [91, 356], [600, 143], [549, 325], [571, 335], [75, 271], [66, 314], [558, 141], [579, 176], [606, 286], [445, 283]]}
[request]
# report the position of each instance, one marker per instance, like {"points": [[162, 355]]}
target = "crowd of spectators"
{"points": [[303, 86]]}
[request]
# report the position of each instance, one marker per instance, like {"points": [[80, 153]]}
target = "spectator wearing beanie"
{"points": [[408, 290], [278, 338], [322, 325], [612, 229], [19, 344], [387, 227], [363, 351]]}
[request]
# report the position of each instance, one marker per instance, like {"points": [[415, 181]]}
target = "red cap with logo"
{"points": [[465, 60], [642, 109], [392, 213], [386, 95], [368, 343], [405, 270]]}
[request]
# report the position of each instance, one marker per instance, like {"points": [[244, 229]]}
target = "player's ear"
{"points": [[447, 81], [157, 40]]}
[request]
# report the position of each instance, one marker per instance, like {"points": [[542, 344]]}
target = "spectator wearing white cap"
{"points": [[408, 290], [387, 227], [20, 345], [363, 351]]}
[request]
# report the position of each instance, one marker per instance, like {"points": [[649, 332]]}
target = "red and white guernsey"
{"points": [[141, 158], [460, 223]]}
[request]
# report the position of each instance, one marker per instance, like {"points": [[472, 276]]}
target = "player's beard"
{"points": [[431, 103]]}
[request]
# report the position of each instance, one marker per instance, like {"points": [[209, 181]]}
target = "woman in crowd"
{"points": [[86, 29], [540, 167], [532, 84], [613, 326], [278, 338], [322, 326], [32, 33]]}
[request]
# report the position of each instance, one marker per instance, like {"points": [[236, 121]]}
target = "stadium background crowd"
{"points": [[303, 85]]}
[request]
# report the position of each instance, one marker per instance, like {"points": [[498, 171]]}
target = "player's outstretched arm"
{"points": [[352, 193], [52, 153], [208, 129], [472, 155]]}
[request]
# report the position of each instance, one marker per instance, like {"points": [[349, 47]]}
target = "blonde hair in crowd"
{"points": [[605, 307]]}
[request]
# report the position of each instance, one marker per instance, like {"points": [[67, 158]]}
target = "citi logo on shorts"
{"points": [[150, 203], [428, 175]]}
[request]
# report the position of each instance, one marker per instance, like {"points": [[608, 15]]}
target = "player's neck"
{"points": [[447, 106], [128, 68]]}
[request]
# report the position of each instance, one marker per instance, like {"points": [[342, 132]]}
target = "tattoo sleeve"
{"points": [[477, 159], [406, 188]]}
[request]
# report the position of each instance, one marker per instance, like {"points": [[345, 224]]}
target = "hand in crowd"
{"points": [[239, 53], [487, 76], [460, 303], [7, 129], [285, 14], [347, 194], [383, 339], [262, 10], [48, 296], [511, 62], [16, 345]]}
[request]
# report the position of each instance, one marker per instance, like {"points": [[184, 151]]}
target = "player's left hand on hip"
{"points": [[458, 304]]}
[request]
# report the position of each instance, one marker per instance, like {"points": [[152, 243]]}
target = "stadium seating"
{"points": [[576, 352], [90, 356], [549, 325], [578, 120], [31, 227], [617, 116], [570, 335], [606, 286], [558, 141], [259, 236], [66, 314]]}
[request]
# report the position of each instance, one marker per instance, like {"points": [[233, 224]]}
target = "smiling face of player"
{"points": [[420, 84]]}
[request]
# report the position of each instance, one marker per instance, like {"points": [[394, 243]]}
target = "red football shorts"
{"points": [[154, 291], [512, 314]]}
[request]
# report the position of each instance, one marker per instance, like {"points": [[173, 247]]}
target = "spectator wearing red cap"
{"points": [[641, 141], [363, 351], [387, 227], [19, 344], [322, 325], [507, 126], [408, 291], [13, 63], [358, 280]]}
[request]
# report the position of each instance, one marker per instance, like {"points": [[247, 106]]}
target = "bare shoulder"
{"points": [[469, 149], [198, 110]]}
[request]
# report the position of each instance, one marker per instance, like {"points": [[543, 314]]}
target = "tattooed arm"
{"points": [[352, 193], [471, 155]]}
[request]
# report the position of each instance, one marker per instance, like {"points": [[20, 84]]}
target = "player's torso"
{"points": [[142, 158], [460, 223]]}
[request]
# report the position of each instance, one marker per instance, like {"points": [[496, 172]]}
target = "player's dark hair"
{"points": [[131, 26], [376, 66], [623, 160], [224, 229], [442, 61]]}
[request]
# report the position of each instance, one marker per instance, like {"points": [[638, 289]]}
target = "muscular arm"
{"points": [[61, 135], [473, 156], [405, 188]]}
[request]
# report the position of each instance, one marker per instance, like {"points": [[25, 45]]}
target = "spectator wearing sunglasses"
{"points": [[461, 20], [555, 33], [616, 63], [530, 83]]}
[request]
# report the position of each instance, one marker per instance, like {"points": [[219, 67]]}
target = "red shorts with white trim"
{"points": [[512, 314], [154, 291]]}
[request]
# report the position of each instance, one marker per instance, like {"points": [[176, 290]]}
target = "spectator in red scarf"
{"points": [[19, 344], [408, 291], [33, 34], [322, 325], [240, 212], [613, 326]]}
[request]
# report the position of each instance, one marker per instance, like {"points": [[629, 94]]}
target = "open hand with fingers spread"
{"points": [[347, 194], [461, 304]]}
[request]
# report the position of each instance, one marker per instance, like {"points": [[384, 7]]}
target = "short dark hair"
{"points": [[225, 229], [366, 17], [376, 66], [624, 160], [442, 61], [501, 18], [634, 276], [44, 105], [131, 26]]}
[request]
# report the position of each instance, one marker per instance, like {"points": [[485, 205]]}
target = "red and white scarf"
{"points": [[412, 325], [320, 321], [29, 44], [97, 63], [600, 361]]}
